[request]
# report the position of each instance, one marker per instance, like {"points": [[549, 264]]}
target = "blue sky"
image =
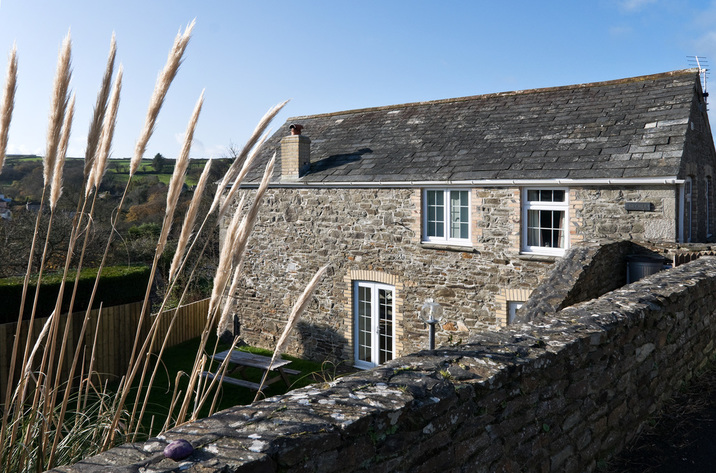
{"points": [[328, 56]]}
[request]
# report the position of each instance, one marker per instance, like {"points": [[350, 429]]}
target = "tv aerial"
{"points": [[702, 64]]}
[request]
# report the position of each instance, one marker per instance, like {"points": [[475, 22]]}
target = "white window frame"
{"points": [[447, 237], [528, 205], [375, 331]]}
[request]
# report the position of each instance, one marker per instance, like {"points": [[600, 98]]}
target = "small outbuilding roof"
{"points": [[628, 128]]}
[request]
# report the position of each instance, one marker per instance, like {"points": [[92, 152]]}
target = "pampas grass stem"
{"points": [[58, 108], [175, 186], [5, 118]]}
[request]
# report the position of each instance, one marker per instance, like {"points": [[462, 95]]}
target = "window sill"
{"points": [[447, 246], [538, 257]]}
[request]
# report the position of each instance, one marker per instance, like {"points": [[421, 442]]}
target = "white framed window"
{"points": [[374, 323], [446, 216], [544, 221]]}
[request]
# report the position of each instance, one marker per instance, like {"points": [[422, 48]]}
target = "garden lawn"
{"points": [[180, 358]]}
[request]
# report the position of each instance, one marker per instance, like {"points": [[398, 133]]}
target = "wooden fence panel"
{"points": [[5, 354], [117, 327]]}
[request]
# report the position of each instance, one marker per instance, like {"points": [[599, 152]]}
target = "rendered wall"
{"points": [[565, 394]]}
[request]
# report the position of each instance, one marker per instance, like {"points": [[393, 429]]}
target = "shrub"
{"points": [[132, 280]]}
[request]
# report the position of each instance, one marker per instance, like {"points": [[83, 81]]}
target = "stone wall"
{"points": [[699, 152], [378, 232], [602, 214], [586, 272], [562, 395]]}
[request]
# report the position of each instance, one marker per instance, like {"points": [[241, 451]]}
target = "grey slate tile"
{"points": [[631, 127]]}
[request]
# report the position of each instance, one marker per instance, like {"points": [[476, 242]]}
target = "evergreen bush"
{"points": [[132, 281]]}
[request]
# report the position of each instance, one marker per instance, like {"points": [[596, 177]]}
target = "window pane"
{"points": [[544, 228], [364, 323], [385, 314], [436, 214], [532, 195], [558, 196], [545, 217], [459, 214]]}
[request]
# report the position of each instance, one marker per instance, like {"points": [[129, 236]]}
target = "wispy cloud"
{"points": [[24, 149], [620, 31], [197, 146], [634, 5], [705, 45]]}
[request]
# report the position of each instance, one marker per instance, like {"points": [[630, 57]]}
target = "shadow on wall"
{"points": [[321, 342]]}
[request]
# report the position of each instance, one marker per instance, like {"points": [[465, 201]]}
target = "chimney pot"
{"points": [[295, 129]]}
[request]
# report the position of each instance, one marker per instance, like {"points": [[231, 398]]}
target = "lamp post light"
{"points": [[431, 313]]}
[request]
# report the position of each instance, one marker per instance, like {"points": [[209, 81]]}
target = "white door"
{"points": [[373, 313]]}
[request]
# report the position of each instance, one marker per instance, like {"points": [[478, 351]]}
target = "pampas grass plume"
{"points": [[223, 268], [100, 108], [8, 103], [189, 220], [235, 244], [56, 185], [298, 308], [58, 107], [107, 134], [241, 158], [166, 76], [239, 179], [177, 180]]}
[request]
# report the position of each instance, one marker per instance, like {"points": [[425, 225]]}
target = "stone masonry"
{"points": [[377, 233], [563, 395]]}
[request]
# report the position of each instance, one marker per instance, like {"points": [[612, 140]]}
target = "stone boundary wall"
{"points": [[564, 395], [586, 272]]}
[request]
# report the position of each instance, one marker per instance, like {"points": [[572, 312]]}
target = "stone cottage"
{"points": [[468, 202]]}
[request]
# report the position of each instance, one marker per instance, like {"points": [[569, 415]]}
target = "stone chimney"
{"points": [[295, 154]]}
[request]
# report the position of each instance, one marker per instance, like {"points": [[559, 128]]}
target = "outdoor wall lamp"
{"points": [[431, 313]]}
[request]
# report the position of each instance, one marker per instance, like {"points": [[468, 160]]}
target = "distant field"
{"points": [[117, 169]]}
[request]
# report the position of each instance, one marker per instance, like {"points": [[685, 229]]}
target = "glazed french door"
{"points": [[373, 312]]}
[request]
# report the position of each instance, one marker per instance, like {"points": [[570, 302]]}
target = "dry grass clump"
{"points": [[50, 418]]}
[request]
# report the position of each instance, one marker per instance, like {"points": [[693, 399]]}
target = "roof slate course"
{"points": [[625, 128]]}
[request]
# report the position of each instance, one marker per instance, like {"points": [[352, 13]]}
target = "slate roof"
{"points": [[628, 128]]}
